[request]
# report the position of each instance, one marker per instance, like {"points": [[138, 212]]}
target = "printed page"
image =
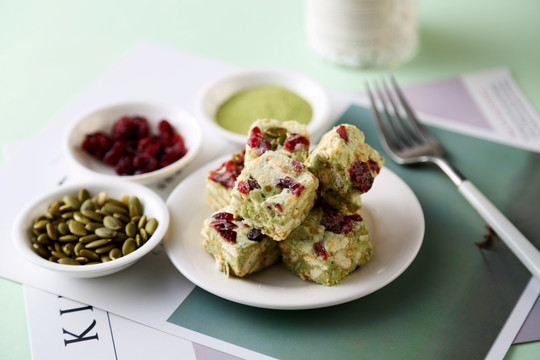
{"points": [[64, 329]]}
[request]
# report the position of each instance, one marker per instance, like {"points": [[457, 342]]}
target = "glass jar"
{"points": [[363, 33]]}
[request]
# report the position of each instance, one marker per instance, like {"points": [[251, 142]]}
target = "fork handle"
{"points": [[522, 248]]}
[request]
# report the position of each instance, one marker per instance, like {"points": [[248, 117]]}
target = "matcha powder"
{"points": [[264, 102]]}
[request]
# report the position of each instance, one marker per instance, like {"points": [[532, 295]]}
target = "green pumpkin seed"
{"points": [[142, 222], [128, 247], [104, 249], [92, 214], [88, 238], [112, 223], [133, 200], [69, 249], [42, 251], [115, 253], [151, 226], [62, 228], [72, 201], [131, 229], [82, 259], [68, 261], [52, 232], [67, 215], [93, 226], [97, 243], [83, 195], [43, 239], [68, 238], [275, 132], [88, 204], [77, 228], [113, 208], [54, 209], [144, 235], [105, 233], [101, 198], [122, 217], [77, 215], [56, 247], [78, 247], [105, 258], [89, 254], [40, 224], [120, 237], [58, 254]]}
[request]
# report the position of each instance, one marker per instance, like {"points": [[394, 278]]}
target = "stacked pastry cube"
{"points": [[306, 204]]}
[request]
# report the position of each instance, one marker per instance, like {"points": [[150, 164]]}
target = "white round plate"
{"points": [[393, 216]]}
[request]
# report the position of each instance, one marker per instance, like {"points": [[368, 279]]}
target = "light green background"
{"points": [[51, 50]]}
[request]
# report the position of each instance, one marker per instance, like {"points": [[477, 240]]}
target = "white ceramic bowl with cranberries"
{"points": [[215, 93], [142, 142]]}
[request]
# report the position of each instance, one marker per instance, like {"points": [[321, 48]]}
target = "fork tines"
{"points": [[398, 126]]}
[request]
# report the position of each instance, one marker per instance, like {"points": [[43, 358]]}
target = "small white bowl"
{"points": [[154, 207], [103, 118], [214, 94]]}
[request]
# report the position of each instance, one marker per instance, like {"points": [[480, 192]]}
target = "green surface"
{"points": [[51, 50], [449, 304]]}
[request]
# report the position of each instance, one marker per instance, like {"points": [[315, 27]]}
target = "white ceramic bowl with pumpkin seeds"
{"points": [[115, 250], [103, 118]]}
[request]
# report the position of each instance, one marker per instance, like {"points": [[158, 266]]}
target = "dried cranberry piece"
{"points": [[140, 125], [253, 184], [114, 154], [226, 174], [373, 166], [225, 229], [320, 250], [255, 235], [278, 207], [289, 183], [247, 185], [296, 142], [223, 216], [243, 187], [150, 145], [124, 166], [361, 175], [342, 131], [257, 142], [297, 165], [144, 163], [349, 222], [97, 144], [337, 223], [165, 128]]}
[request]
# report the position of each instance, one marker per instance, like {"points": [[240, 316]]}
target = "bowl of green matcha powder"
{"points": [[232, 103]]}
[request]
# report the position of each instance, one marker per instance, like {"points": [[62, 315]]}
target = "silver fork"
{"points": [[407, 141]]}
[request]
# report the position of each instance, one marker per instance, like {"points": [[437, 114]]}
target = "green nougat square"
{"points": [[288, 137], [345, 165], [238, 248], [327, 246], [220, 181], [274, 193]]}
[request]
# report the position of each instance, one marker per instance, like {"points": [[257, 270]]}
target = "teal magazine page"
{"points": [[450, 303]]}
